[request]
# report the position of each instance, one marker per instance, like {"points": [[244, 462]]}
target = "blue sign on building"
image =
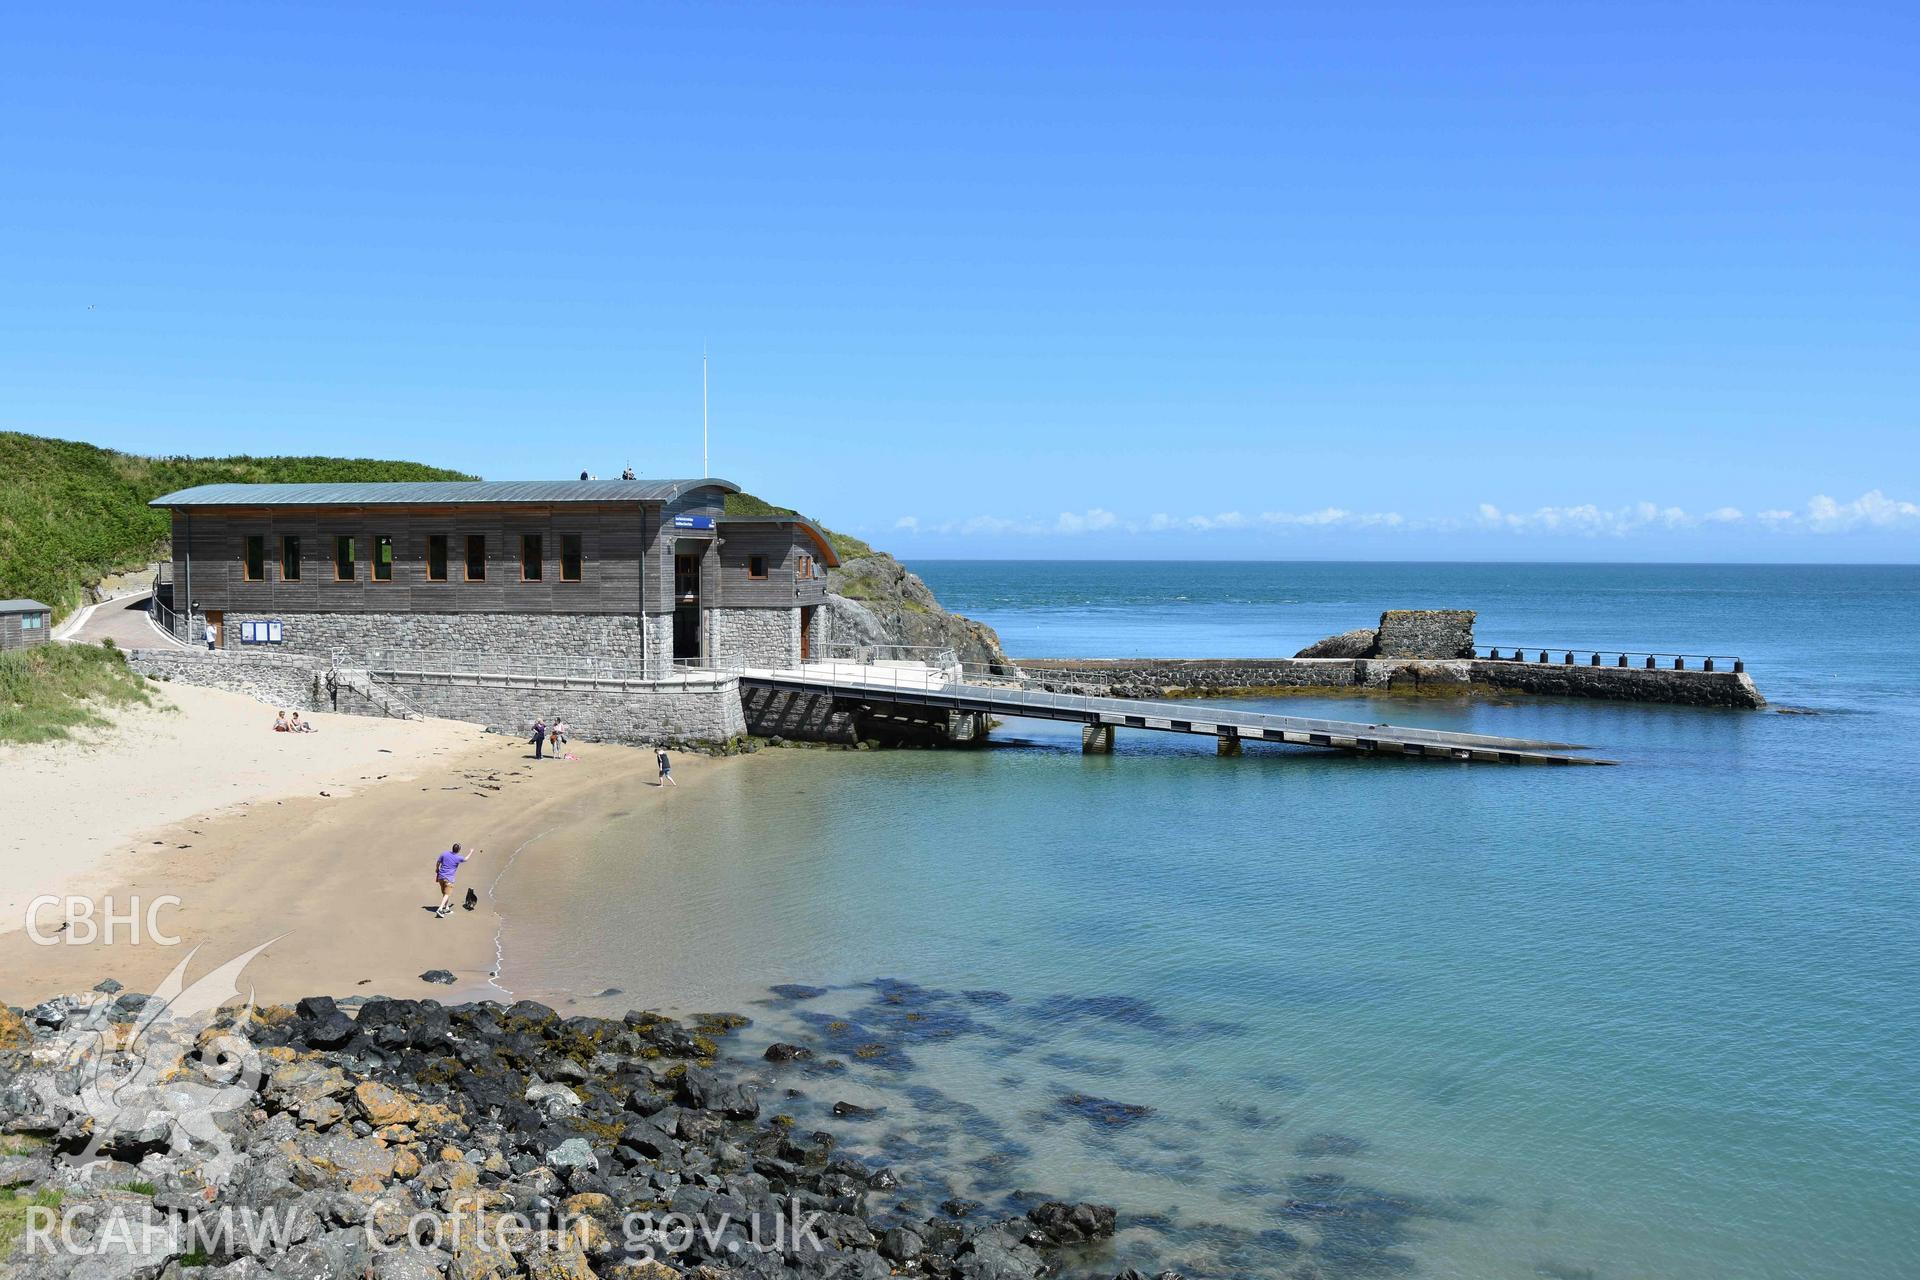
{"points": [[693, 522]]}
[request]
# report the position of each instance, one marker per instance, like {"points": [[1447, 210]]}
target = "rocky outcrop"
{"points": [[875, 600], [1348, 644]]}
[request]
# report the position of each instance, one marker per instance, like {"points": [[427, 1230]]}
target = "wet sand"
{"points": [[342, 883]]}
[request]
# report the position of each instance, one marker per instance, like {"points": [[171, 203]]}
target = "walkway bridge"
{"points": [[881, 683]]}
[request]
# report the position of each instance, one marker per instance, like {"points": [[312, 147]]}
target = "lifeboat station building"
{"points": [[652, 572]]}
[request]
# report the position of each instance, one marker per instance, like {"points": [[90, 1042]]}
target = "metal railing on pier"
{"points": [[1576, 656]]}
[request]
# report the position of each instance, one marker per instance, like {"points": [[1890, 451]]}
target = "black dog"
{"points": [[473, 900]]}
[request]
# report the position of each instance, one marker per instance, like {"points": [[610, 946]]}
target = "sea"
{"points": [[1300, 1014]]}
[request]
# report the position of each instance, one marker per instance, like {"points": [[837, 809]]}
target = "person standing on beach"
{"points": [[445, 868], [666, 767], [539, 737]]}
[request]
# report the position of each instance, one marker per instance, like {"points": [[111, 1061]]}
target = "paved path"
{"points": [[125, 622]]}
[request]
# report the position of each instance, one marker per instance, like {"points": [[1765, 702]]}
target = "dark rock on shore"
{"points": [[366, 1139]]}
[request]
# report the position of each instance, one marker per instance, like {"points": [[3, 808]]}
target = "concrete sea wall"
{"points": [[1202, 677]]}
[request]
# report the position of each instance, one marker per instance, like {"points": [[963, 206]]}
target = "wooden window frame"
{"points": [[446, 555], [580, 557], [246, 557], [760, 576], [539, 558], [466, 561], [353, 558], [289, 541], [373, 561]]}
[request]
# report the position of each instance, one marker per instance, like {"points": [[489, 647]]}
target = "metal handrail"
{"points": [[168, 619]]}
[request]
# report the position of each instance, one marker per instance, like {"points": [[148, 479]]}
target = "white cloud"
{"points": [[1091, 521], [1872, 510]]}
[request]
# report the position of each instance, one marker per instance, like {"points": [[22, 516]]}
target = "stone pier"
{"points": [[1096, 739]]}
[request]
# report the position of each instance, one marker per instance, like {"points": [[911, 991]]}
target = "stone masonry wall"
{"points": [[638, 713], [1425, 633], [657, 632], [355, 635], [759, 637], [280, 680], [1163, 677], [682, 710]]}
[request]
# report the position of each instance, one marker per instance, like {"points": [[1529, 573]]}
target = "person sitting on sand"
{"points": [[445, 868], [280, 724], [302, 726]]}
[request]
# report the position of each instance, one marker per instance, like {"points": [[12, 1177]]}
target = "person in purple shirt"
{"points": [[444, 870]]}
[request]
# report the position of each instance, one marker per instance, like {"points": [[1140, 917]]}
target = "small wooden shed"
{"points": [[24, 623]]}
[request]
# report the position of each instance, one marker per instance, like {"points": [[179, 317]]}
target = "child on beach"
{"points": [[444, 870], [280, 724], [301, 726], [666, 767]]}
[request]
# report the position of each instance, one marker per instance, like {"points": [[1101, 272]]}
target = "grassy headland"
{"points": [[72, 513]]}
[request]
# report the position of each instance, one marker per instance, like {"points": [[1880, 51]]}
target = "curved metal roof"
{"points": [[434, 492], [805, 524]]}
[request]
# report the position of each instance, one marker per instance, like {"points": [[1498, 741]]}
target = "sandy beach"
{"points": [[323, 843]]}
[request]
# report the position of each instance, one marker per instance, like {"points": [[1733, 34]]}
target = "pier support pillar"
{"points": [[1096, 739], [1227, 744], [967, 728]]}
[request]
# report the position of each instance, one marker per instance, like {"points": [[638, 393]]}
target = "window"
{"points": [[531, 569], [476, 557], [382, 558], [436, 557], [32, 621], [803, 567], [756, 566], [256, 561], [570, 557], [343, 559], [289, 558]]}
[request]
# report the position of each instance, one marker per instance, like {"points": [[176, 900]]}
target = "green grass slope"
{"points": [[50, 690], [71, 513], [846, 546]]}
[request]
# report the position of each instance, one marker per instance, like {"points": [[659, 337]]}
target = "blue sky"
{"points": [[1613, 281]]}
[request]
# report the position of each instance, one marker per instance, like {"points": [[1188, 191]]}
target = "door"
{"points": [[686, 609], [217, 626], [806, 632]]}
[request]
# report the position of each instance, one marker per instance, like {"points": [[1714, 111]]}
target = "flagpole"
{"points": [[706, 468]]}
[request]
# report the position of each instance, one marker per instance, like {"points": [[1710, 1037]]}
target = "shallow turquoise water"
{"points": [[1389, 1016]]}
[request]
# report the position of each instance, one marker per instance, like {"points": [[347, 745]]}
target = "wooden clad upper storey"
{"points": [[537, 547]]}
